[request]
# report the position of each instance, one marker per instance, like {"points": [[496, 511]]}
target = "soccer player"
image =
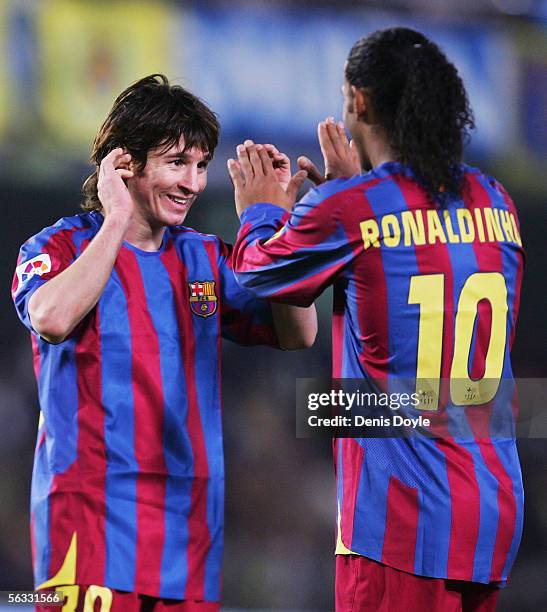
{"points": [[126, 308], [425, 256]]}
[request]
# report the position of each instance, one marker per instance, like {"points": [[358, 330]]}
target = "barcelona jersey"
{"points": [[128, 480], [424, 292]]}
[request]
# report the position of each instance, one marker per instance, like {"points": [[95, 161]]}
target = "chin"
{"points": [[174, 218], [177, 219]]}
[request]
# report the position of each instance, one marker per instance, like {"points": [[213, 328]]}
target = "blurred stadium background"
{"points": [[271, 70]]}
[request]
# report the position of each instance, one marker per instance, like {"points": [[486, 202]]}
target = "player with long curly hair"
{"points": [[425, 256]]}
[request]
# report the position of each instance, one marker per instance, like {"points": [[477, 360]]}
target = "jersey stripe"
{"points": [[159, 296], [402, 509], [489, 257], [352, 461], [40, 511], [461, 524], [67, 514], [212, 571], [199, 538], [371, 308], [369, 521], [207, 391], [122, 465], [148, 405]]}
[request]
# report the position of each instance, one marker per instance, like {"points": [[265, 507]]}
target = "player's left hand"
{"points": [[256, 180]]}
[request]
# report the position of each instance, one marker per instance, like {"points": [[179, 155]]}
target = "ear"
{"points": [[361, 104]]}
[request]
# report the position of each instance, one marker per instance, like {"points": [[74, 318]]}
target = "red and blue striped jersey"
{"points": [[421, 291], [128, 481]]}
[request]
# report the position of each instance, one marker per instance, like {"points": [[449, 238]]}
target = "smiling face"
{"points": [[169, 184]]}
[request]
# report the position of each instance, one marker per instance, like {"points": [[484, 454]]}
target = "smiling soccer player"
{"points": [[126, 308]]}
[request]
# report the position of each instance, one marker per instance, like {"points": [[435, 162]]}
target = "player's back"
{"points": [[424, 294], [430, 300], [433, 291]]}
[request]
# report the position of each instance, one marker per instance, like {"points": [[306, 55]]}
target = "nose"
{"points": [[189, 180]]}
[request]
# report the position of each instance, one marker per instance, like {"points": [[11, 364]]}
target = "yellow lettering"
{"points": [[95, 592], [498, 222], [427, 291], [506, 224], [515, 229], [479, 224], [413, 227], [483, 285], [465, 225], [370, 233], [434, 227], [391, 230], [452, 237], [70, 597], [492, 226]]}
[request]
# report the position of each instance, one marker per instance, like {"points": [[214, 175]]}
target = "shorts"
{"points": [[93, 598], [363, 584]]}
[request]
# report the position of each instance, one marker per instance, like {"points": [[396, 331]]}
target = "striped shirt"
{"points": [[420, 292], [128, 480]]}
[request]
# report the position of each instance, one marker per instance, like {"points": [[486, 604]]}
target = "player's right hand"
{"points": [[339, 154], [111, 187]]}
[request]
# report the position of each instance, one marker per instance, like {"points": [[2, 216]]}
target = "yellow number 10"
{"points": [[428, 291]]}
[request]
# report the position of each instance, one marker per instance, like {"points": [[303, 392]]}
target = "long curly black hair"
{"points": [[420, 102]]}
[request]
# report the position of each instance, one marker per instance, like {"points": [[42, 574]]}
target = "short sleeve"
{"points": [[40, 259]]}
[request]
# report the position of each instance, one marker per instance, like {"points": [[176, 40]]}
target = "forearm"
{"points": [[60, 304], [296, 326]]}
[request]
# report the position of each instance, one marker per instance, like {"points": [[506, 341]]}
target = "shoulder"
{"points": [[335, 199], [488, 182], [65, 232], [189, 236], [181, 233], [342, 187], [471, 172]]}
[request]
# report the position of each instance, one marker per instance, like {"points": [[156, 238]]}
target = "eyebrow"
{"points": [[183, 155]]}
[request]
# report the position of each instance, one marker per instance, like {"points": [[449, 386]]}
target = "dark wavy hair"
{"points": [[420, 102], [151, 114]]}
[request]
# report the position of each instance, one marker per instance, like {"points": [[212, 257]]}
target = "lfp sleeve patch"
{"points": [[41, 264]]}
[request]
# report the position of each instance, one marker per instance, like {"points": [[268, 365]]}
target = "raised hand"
{"points": [[340, 155], [111, 188], [281, 163], [256, 180]]}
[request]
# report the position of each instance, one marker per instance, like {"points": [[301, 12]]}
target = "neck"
{"points": [[143, 236], [377, 147]]}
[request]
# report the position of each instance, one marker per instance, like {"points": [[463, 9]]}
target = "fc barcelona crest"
{"points": [[203, 298]]}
